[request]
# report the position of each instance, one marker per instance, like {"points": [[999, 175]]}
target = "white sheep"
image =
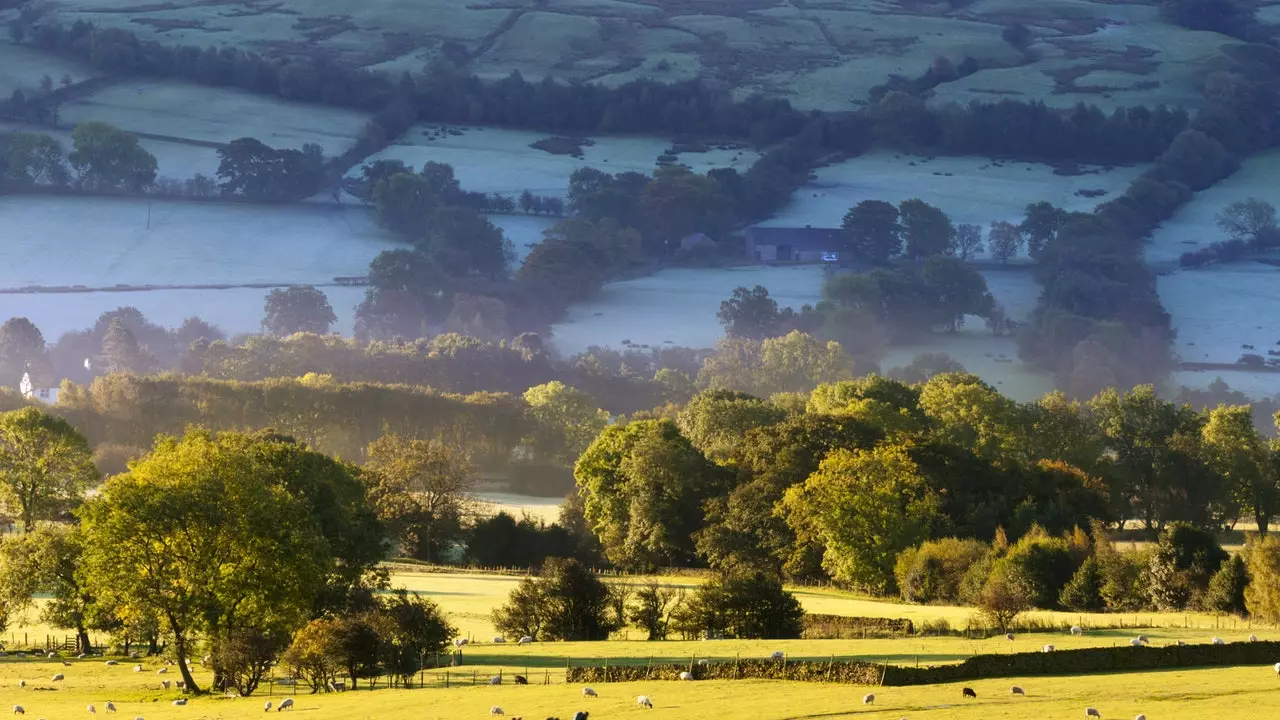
{"points": [[180, 702], [1047, 648], [1135, 642], [285, 704], [91, 709], [869, 699], [111, 663], [1181, 643], [459, 642], [644, 701], [1143, 639], [495, 680], [498, 639], [162, 671], [111, 707], [495, 710], [1253, 638], [1008, 636], [18, 710], [23, 683], [266, 707], [1278, 668], [1015, 690], [525, 640], [686, 675], [1140, 717], [139, 717], [58, 677], [1092, 712], [589, 692], [82, 656], [137, 668], [1077, 630], [777, 655], [702, 661], [1219, 641], [165, 684]]}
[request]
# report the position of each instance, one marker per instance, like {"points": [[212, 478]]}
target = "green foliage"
{"points": [[121, 351], [653, 608], [45, 465], [315, 655], [420, 490], [1184, 561], [1226, 591], [740, 605], [404, 203], [567, 602], [1262, 597], [565, 421], [502, 541], [243, 658], [1002, 600], [1039, 567], [250, 169], [875, 229], [29, 159], [678, 203], [410, 628], [462, 242], [22, 350], [301, 308], [1237, 452], [933, 572], [926, 229], [795, 362], [1003, 240], [106, 158], [866, 506], [1083, 593], [750, 313], [716, 421]]}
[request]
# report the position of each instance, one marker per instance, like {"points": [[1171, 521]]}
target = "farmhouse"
{"points": [[785, 244], [46, 395]]}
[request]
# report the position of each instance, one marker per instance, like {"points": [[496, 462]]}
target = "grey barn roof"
{"points": [[805, 238]]}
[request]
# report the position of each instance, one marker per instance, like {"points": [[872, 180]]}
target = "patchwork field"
{"points": [[820, 55], [216, 115], [1219, 310], [494, 160]]}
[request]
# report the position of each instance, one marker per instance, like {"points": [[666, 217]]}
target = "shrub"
{"points": [[934, 571], [653, 607], [1040, 565], [409, 628], [1084, 592], [243, 658], [567, 602], [1226, 593], [1002, 601], [315, 653], [741, 605], [1184, 561], [1262, 597]]}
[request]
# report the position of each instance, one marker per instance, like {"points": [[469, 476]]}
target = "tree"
{"points": [[565, 421], [463, 242], [1084, 592], [404, 203], [1184, 561], [251, 169], [643, 485], [875, 230], [746, 605], [678, 203], [121, 351], [1195, 160], [410, 628], [107, 158], [955, 289], [926, 230], [421, 491], [1262, 597], [301, 308], [968, 241], [22, 350], [243, 658], [1252, 221], [1003, 240], [45, 465], [1002, 601], [866, 506], [1040, 566], [315, 655], [750, 313], [567, 602], [717, 421], [47, 560], [1041, 225], [1237, 452], [217, 533], [30, 159], [1227, 587], [653, 608]]}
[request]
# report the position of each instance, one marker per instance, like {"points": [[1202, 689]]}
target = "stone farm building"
{"points": [[795, 244]]}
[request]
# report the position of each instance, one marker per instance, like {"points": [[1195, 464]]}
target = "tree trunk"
{"points": [[1262, 517], [180, 647], [82, 640]]}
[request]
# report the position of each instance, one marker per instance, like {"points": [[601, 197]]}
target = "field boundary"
{"points": [[860, 672]]}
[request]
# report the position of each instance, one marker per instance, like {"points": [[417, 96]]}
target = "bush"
{"points": [[1184, 561], [1084, 592], [1226, 593], [409, 628], [934, 571], [243, 658], [653, 608], [741, 605], [315, 655], [1262, 597], [567, 602], [1003, 600], [836, 627], [1040, 565], [1123, 579]]}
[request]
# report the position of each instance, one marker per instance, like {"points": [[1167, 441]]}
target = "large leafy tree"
{"points": [[1237, 452], [48, 560], [404, 203], [875, 229], [301, 308], [716, 421], [750, 313], [107, 158], [463, 242], [643, 485], [28, 159], [567, 602], [926, 229], [565, 421], [251, 169], [22, 349], [45, 465], [744, 604], [678, 203], [866, 506], [219, 533], [421, 490], [955, 289]]}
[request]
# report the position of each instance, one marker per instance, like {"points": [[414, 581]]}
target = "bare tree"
{"points": [[1250, 221]]}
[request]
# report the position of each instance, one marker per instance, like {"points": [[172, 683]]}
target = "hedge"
{"points": [[857, 672], [836, 627]]}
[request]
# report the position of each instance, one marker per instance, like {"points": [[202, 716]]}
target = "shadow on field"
{"points": [[559, 661]]}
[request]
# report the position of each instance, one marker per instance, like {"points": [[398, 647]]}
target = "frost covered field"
{"points": [[22, 67], [217, 115], [176, 160], [493, 160], [1216, 312], [970, 189]]}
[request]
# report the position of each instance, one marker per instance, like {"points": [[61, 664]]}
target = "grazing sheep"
{"points": [[1047, 648], [286, 703], [17, 710], [111, 663], [1278, 668], [1218, 641], [52, 655], [162, 671], [1143, 639], [1182, 643], [58, 677], [686, 675], [111, 707], [137, 668], [777, 655], [82, 656], [23, 683], [66, 663], [181, 685], [495, 680], [180, 702], [165, 684], [522, 680], [1017, 691], [703, 661], [1077, 630], [969, 693], [1253, 638], [91, 710], [589, 692], [1092, 712], [1008, 636], [1135, 642], [1140, 717], [644, 701], [869, 699], [266, 707], [524, 640], [495, 710], [498, 639], [581, 715]]}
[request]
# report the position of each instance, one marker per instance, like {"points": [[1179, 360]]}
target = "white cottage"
{"points": [[48, 396]]}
